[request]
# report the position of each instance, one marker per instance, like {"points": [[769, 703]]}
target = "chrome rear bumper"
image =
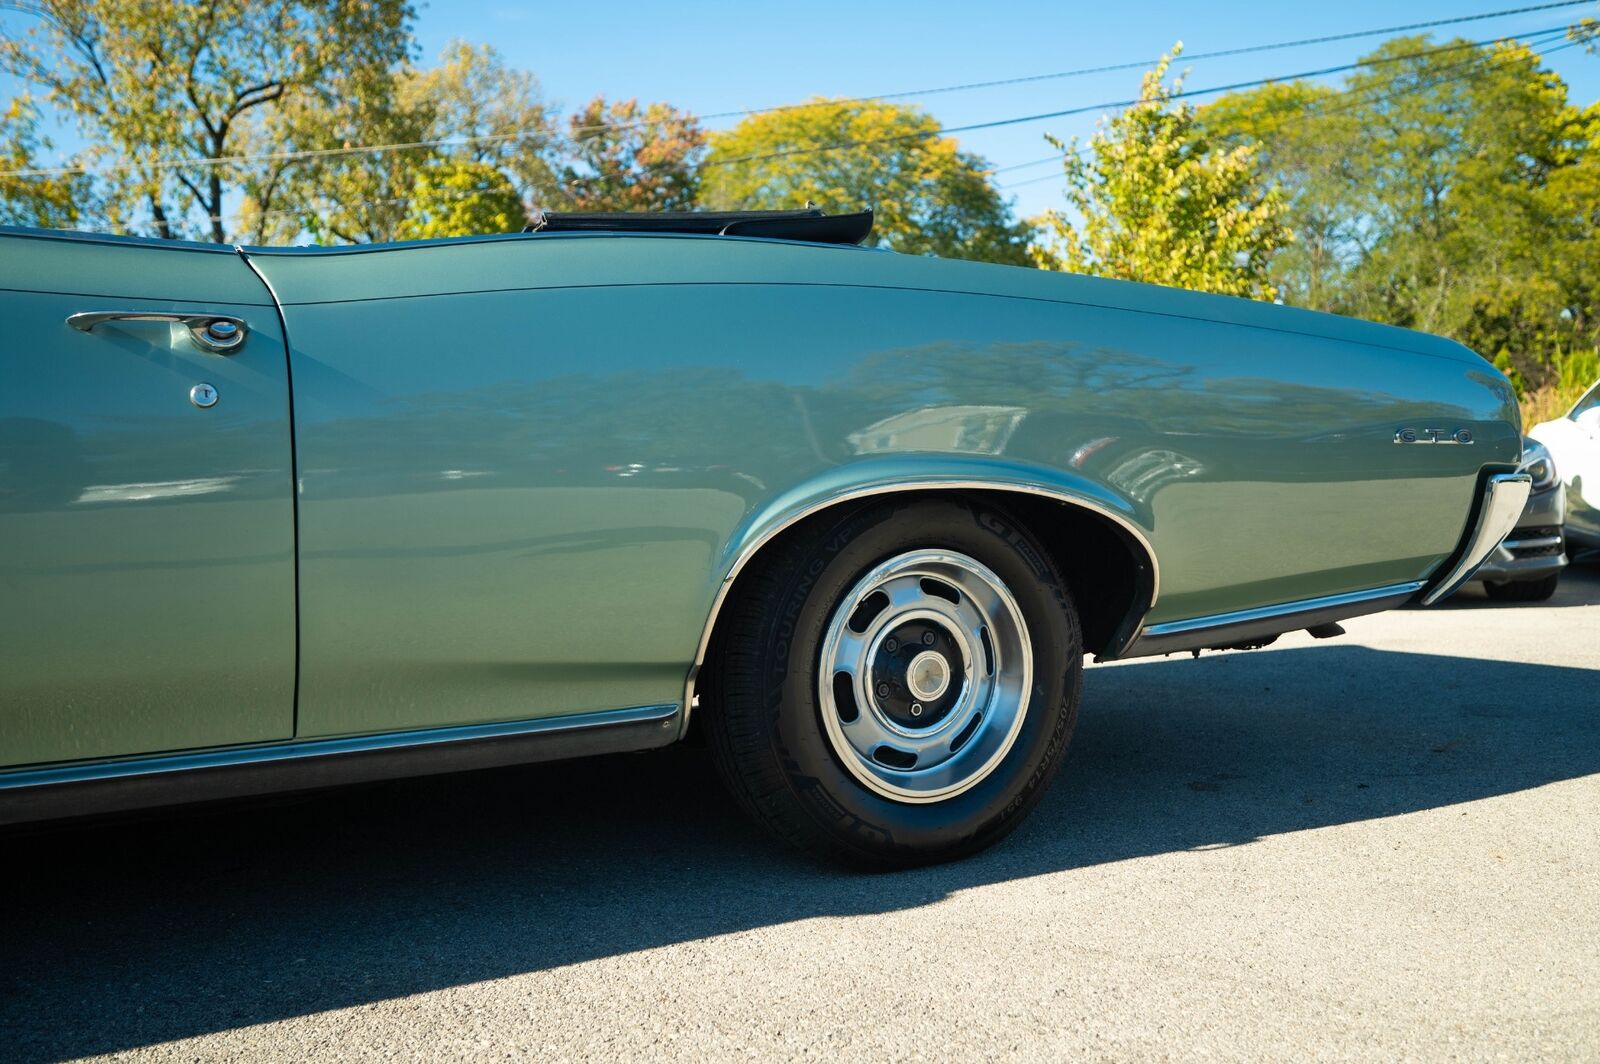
{"points": [[1536, 548], [1504, 496]]}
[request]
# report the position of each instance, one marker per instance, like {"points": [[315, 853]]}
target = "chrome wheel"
{"points": [[925, 674]]}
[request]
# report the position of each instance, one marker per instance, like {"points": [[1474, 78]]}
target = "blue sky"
{"points": [[712, 56], [721, 56]]}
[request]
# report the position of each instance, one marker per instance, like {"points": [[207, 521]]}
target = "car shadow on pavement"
{"points": [[179, 924]]}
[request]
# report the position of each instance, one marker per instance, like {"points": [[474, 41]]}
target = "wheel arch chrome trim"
{"points": [[919, 485]]}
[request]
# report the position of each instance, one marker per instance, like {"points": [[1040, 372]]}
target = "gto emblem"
{"points": [[1432, 436]]}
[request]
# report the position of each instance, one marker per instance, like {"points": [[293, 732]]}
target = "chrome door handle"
{"points": [[218, 333]]}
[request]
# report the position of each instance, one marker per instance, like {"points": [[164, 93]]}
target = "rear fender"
{"points": [[919, 474]]}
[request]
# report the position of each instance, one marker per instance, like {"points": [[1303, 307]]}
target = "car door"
{"points": [[147, 571]]}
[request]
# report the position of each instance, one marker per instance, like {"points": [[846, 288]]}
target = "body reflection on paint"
{"points": [[624, 439], [963, 429], [526, 464]]}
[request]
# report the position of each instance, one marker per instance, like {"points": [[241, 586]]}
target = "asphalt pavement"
{"points": [[1380, 847]]}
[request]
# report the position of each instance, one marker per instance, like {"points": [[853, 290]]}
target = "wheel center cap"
{"points": [[929, 675]]}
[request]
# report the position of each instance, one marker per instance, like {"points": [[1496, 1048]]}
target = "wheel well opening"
{"points": [[1107, 570]]}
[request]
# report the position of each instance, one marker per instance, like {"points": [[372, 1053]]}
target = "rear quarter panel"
{"points": [[526, 465]]}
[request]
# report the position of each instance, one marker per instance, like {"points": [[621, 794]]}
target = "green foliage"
{"points": [[341, 196], [628, 158], [487, 112], [1586, 33], [1452, 191], [461, 199], [153, 80], [1576, 371], [47, 201], [931, 198], [1456, 191], [1308, 163], [1450, 184], [1158, 201], [1572, 373], [471, 108]]}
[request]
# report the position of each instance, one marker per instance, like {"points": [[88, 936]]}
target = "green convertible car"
{"points": [[279, 518]]}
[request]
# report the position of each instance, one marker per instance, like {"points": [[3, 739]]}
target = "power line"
{"points": [[1375, 96], [1058, 156], [1540, 37], [1372, 99], [488, 138], [1368, 96], [1221, 54], [1112, 104]]}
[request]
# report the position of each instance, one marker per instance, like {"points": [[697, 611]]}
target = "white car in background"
{"points": [[1574, 443]]}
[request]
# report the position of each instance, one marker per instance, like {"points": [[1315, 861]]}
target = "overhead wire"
{"points": [[1375, 94], [463, 141], [1107, 105], [1538, 37], [1370, 95], [1544, 37]]}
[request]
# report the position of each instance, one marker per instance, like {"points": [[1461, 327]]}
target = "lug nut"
{"points": [[916, 709], [927, 639], [883, 690], [891, 644]]}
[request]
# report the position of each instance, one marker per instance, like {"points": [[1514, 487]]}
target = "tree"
{"points": [[46, 200], [1450, 188], [462, 199], [486, 112], [1586, 33], [1458, 144], [1158, 200], [627, 158], [1301, 135], [152, 81], [322, 178], [1565, 248], [929, 197], [471, 108]]}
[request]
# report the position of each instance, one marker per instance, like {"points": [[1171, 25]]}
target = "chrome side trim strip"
{"points": [[1245, 626], [817, 506], [1286, 609], [1504, 496], [268, 753]]}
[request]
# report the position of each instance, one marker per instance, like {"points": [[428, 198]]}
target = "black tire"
{"points": [[762, 708], [1523, 590]]}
